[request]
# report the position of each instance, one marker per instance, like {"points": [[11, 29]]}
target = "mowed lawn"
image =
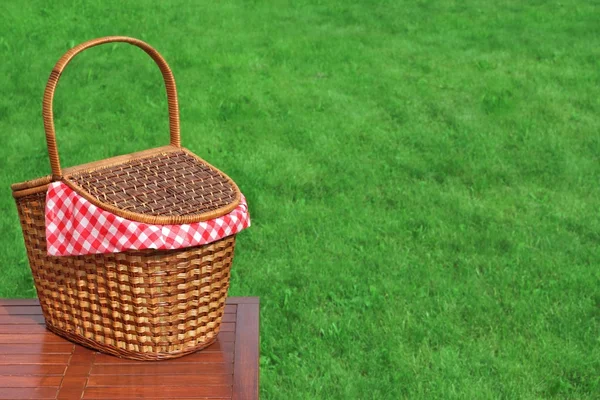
{"points": [[423, 176]]}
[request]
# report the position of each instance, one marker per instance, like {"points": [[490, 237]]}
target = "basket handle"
{"points": [[47, 113]]}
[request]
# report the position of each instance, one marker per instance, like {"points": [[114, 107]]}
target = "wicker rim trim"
{"points": [[31, 184], [47, 111]]}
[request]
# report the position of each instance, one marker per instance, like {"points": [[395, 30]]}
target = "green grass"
{"points": [[422, 176]]}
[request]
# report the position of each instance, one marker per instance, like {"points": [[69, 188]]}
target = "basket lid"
{"points": [[167, 185]]}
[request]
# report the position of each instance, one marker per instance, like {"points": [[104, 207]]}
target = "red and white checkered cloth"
{"points": [[74, 226]]}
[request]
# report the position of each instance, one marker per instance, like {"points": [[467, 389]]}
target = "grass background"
{"points": [[422, 175]]}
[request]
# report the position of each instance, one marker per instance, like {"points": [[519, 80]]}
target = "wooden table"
{"points": [[36, 364]]}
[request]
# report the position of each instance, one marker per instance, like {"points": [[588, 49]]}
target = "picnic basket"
{"points": [[139, 304]]}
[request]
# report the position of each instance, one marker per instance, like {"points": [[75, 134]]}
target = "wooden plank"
{"points": [[46, 337], [165, 380], [31, 328], [36, 348], [228, 318], [34, 359], [32, 309], [230, 308], [22, 319], [226, 336], [228, 327], [82, 355], [194, 358], [30, 381], [162, 368], [226, 347], [76, 373], [243, 300], [245, 372], [32, 369], [20, 302], [156, 392], [79, 369], [69, 394], [73, 383], [28, 393]]}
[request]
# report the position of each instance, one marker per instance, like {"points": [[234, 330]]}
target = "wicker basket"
{"points": [[147, 304]]}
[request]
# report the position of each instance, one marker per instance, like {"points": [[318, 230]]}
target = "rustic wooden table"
{"points": [[36, 364]]}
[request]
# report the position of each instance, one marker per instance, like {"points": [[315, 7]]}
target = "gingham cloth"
{"points": [[74, 226]]}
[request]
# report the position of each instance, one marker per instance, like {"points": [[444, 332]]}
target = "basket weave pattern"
{"points": [[148, 304], [145, 305], [152, 185]]}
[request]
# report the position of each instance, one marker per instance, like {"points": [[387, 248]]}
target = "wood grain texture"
{"points": [[36, 364], [163, 368], [245, 384], [36, 348], [28, 393], [32, 370], [157, 392], [45, 337], [19, 302], [12, 359], [33, 309], [78, 369], [14, 328], [151, 380], [30, 381], [22, 320]]}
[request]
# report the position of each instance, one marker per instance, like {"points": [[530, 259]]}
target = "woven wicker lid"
{"points": [[168, 185]]}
